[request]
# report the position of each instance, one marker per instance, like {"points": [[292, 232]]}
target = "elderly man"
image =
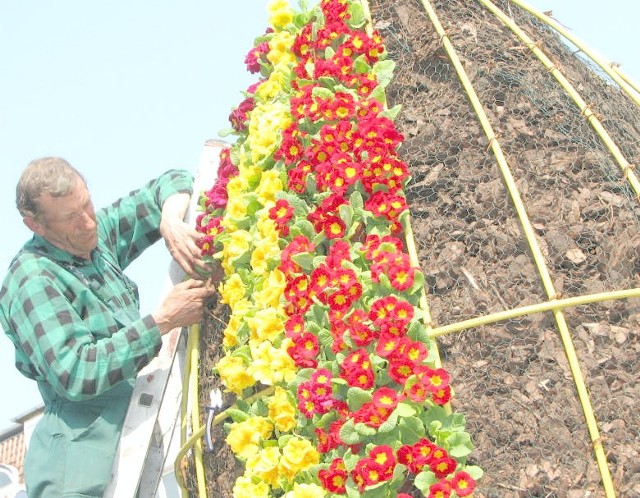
{"points": [[73, 315]]}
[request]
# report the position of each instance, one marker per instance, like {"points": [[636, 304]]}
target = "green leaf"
{"points": [[346, 214], [325, 338], [360, 65], [357, 397], [411, 430], [405, 410], [237, 415], [356, 201], [225, 132], [392, 113], [389, 424], [418, 332], [322, 93], [384, 71], [474, 471], [349, 434], [459, 444], [357, 18], [418, 282], [424, 480], [304, 227], [365, 430], [304, 259]]}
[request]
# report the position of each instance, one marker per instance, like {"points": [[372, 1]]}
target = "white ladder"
{"points": [[154, 408]]}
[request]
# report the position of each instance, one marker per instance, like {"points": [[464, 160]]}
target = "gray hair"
{"points": [[51, 175]]}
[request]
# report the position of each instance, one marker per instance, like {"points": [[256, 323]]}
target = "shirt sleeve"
{"points": [[132, 223], [65, 353]]}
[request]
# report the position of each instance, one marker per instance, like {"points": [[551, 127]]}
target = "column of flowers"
{"points": [[307, 218]]}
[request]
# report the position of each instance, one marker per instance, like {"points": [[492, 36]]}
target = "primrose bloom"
{"points": [[297, 455], [244, 487], [264, 464], [237, 186], [233, 374], [245, 437], [238, 244], [272, 289], [281, 412], [270, 184], [265, 125], [280, 13], [265, 253], [306, 491], [233, 290], [236, 321], [266, 325], [271, 364], [280, 49]]}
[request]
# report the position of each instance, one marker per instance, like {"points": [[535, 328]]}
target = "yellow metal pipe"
{"points": [[194, 352], [607, 66], [554, 304], [197, 435]]}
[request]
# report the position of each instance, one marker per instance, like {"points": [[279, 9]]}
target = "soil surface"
{"points": [[511, 377]]}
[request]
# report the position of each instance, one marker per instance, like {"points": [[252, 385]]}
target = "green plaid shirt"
{"points": [[76, 324]]}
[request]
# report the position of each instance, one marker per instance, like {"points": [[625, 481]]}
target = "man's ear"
{"points": [[33, 224]]}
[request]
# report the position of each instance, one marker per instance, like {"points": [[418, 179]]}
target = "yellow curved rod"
{"points": [[606, 65], [626, 167], [190, 393], [570, 352], [554, 304], [197, 435]]}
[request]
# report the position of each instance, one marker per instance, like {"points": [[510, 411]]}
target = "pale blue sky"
{"points": [[127, 89]]}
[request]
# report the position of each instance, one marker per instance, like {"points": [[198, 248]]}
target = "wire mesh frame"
{"points": [[554, 302]]}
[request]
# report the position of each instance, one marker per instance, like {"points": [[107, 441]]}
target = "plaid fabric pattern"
{"points": [[75, 324]]}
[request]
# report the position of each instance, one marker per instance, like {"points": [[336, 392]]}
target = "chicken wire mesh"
{"points": [[512, 378]]}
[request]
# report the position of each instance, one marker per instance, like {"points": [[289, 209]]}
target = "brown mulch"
{"points": [[512, 379]]}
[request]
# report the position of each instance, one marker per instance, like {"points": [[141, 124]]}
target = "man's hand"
{"points": [[180, 238], [183, 305]]}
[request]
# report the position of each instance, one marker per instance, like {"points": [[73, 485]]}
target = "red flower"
{"points": [[441, 489], [281, 214], [252, 59], [463, 484], [334, 479]]}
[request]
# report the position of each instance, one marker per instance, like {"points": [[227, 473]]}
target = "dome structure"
{"points": [[525, 208]]}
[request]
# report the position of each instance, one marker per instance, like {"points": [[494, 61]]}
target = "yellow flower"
{"points": [[233, 290], [270, 184], [301, 490], [264, 464], [236, 321], [270, 364], [280, 54], [280, 13], [297, 455], [245, 488], [281, 412], [234, 374], [272, 289], [265, 129], [236, 207], [266, 325], [237, 186], [244, 438], [263, 256], [266, 226], [234, 247]]}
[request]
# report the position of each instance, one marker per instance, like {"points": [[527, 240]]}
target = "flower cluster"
{"points": [[308, 220]]}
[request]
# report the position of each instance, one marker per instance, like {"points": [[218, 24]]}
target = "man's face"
{"points": [[68, 222]]}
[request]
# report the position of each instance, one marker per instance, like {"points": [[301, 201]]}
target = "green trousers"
{"points": [[72, 448]]}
